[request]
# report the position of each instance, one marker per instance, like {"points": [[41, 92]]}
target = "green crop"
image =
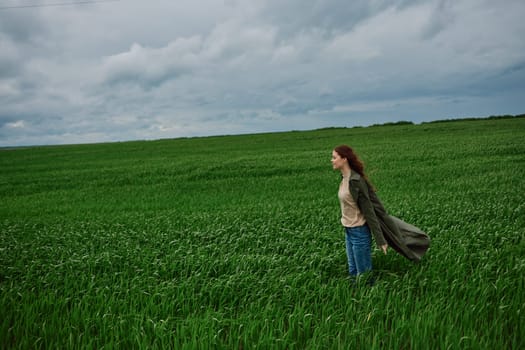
{"points": [[235, 242]]}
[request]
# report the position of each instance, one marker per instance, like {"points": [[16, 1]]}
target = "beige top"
{"points": [[351, 216]]}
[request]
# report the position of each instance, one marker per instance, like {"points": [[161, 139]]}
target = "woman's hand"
{"points": [[384, 247]]}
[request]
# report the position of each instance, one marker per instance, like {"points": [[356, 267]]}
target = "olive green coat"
{"points": [[404, 238]]}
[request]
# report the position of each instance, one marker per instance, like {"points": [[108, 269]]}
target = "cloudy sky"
{"points": [[136, 69]]}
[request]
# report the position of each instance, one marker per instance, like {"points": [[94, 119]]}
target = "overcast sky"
{"points": [[134, 70]]}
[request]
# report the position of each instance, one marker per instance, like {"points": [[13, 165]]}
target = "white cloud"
{"points": [[19, 124], [152, 65]]}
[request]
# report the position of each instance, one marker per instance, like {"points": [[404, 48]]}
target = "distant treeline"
{"points": [[401, 122], [507, 116], [405, 122]]}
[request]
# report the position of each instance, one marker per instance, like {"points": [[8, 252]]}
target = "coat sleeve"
{"points": [[367, 208]]}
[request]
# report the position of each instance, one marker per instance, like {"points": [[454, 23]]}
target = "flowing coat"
{"points": [[404, 238]]}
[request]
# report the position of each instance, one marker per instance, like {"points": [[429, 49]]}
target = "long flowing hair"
{"points": [[356, 164]]}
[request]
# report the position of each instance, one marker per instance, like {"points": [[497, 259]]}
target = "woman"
{"points": [[357, 211], [362, 212]]}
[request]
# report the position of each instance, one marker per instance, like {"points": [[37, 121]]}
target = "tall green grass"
{"points": [[235, 242]]}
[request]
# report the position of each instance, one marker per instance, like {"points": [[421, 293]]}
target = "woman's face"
{"points": [[337, 161]]}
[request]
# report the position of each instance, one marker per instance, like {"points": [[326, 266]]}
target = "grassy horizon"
{"points": [[235, 241], [385, 124]]}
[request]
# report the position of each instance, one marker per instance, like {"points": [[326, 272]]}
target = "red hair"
{"points": [[353, 160]]}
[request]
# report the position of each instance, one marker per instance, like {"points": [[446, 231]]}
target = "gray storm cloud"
{"points": [[135, 70]]}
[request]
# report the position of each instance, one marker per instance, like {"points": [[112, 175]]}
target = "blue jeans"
{"points": [[358, 249]]}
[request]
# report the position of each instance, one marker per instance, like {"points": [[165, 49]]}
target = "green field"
{"points": [[235, 242]]}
